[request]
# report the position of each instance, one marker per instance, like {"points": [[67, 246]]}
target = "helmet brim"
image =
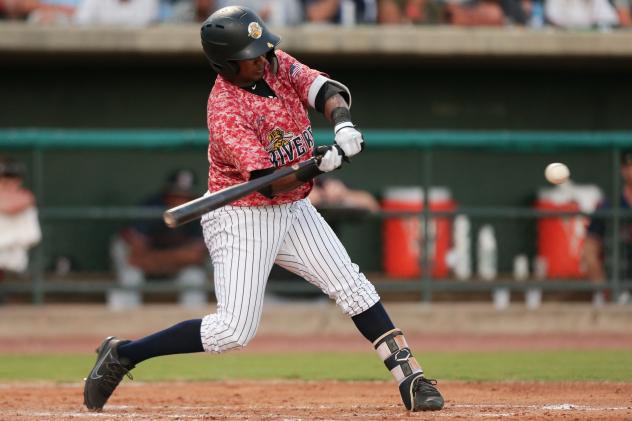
{"points": [[258, 47]]}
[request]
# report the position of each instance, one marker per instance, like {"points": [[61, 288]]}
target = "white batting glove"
{"points": [[331, 160], [348, 138]]}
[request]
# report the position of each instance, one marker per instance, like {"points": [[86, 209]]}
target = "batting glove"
{"points": [[331, 160], [348, 138]]}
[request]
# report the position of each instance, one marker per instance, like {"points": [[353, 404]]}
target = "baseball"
{"points": [[557, 173]]}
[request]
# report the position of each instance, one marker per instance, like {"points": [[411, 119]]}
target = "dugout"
{"points": [[493, 177], [440, 106]]}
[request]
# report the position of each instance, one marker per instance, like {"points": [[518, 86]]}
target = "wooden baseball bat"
{"points": [[194, 209]]}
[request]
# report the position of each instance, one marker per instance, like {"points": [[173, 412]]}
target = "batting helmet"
{"points": [[236, 33]]}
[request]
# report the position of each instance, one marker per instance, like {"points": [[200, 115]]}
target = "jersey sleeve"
{"points": [[233, 139], [302, 78]]}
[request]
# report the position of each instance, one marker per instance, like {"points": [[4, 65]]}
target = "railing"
{"points": [[38, 142]]}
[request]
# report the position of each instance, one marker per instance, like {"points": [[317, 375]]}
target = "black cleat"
{"points": [[420, 394], [106, 374]]}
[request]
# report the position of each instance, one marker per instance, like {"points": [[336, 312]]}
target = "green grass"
{"points": [[612, 365]]}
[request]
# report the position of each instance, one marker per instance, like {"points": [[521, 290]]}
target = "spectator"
{"points": [[117, 12], [53, 12], [397, 12], [17, 9], [151, 250], [176, 11], [624, 12], [596, 244], [274, 12], [330, 192], [581, 14], [474, 13], [18, 218], [514, 12], [337, 203], [346, 12]]}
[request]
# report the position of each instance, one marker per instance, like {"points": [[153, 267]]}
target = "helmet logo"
{"points": [[254, 30], [270, 45]]}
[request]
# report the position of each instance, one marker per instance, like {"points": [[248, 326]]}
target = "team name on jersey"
{"points": [[286, 147]]}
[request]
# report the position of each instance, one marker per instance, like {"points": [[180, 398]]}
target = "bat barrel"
{"points": [[194, 209]]}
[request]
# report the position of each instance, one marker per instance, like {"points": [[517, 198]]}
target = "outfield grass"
{"points": [[610, 365]]}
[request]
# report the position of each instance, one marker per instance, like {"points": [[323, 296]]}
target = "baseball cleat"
{"points": [[420, 394], [106, 374]]}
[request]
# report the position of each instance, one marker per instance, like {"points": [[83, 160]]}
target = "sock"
{"points": [[374, 322], [182, 338]]}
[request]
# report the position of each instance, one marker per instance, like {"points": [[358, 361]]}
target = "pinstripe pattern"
{"points": [[244, 243]]}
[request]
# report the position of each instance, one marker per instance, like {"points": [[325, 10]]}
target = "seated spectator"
{"points": [[274, 12], [409, 11], [341, 11], [150, 250], [581, 14], [53, 12], [17, 9], [19, 226], [331, 192], [474, 13], [338, 203], [600, 229], [178, 11], [117, 12], [514, 12], [624, 12]]}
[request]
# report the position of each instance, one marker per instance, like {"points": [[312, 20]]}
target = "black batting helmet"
{"points": [[236, 33]]}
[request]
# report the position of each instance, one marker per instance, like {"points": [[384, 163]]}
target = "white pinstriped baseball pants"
{"points": [[244, 243]]}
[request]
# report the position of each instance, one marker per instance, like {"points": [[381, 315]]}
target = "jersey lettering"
{"points": [[284, 147]]}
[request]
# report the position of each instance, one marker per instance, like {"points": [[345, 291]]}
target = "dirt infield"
{"points": [[292, 400], [31, 330]]}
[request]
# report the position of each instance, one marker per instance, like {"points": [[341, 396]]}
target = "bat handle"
{"points": [[320, 151]]}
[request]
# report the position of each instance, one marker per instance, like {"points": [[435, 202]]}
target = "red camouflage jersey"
{"points": [[248, 132]]}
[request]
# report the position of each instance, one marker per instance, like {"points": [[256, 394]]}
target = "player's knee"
{"points": [[355, 296], [234, 339], [218, 336]]}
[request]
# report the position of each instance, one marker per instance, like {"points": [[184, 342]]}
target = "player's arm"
{"points": [[329, 159], [333, 100], [327, 96], [591, 256], [162, 261]]}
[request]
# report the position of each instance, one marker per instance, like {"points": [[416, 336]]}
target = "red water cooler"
{"points": [[561, 238], [403, 237]]}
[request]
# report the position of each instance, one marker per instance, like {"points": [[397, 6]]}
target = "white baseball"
{"points": [[557, 173]]}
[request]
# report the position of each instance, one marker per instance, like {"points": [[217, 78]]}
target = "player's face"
{"points": [[251, 71]]}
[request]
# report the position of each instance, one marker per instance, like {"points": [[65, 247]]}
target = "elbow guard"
{"points": [[324, 88]]}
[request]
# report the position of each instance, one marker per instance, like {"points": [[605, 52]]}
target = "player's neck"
{"points": [[245, 83]]}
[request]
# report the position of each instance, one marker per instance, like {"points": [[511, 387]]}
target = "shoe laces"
{"points": [[419, 385], [114, 374]]}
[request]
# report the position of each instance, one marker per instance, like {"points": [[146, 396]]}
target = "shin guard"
{"points": [[394, 351]]}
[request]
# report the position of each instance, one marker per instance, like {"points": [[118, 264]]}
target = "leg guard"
{"points": [[418, 393]]}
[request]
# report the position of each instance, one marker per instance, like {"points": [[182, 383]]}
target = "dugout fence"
{"points": [[86, 178]]}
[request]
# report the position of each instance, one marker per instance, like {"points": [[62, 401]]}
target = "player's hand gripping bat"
{"points": [[194, 209]]}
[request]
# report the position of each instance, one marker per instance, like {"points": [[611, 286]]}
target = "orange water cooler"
{"points": [[403, 237], [560, 238]]}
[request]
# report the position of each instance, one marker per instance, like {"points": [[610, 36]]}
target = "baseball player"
{"points": [[257, 120]]}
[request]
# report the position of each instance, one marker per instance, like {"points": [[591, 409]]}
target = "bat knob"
{"points": [[169, 219]]}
